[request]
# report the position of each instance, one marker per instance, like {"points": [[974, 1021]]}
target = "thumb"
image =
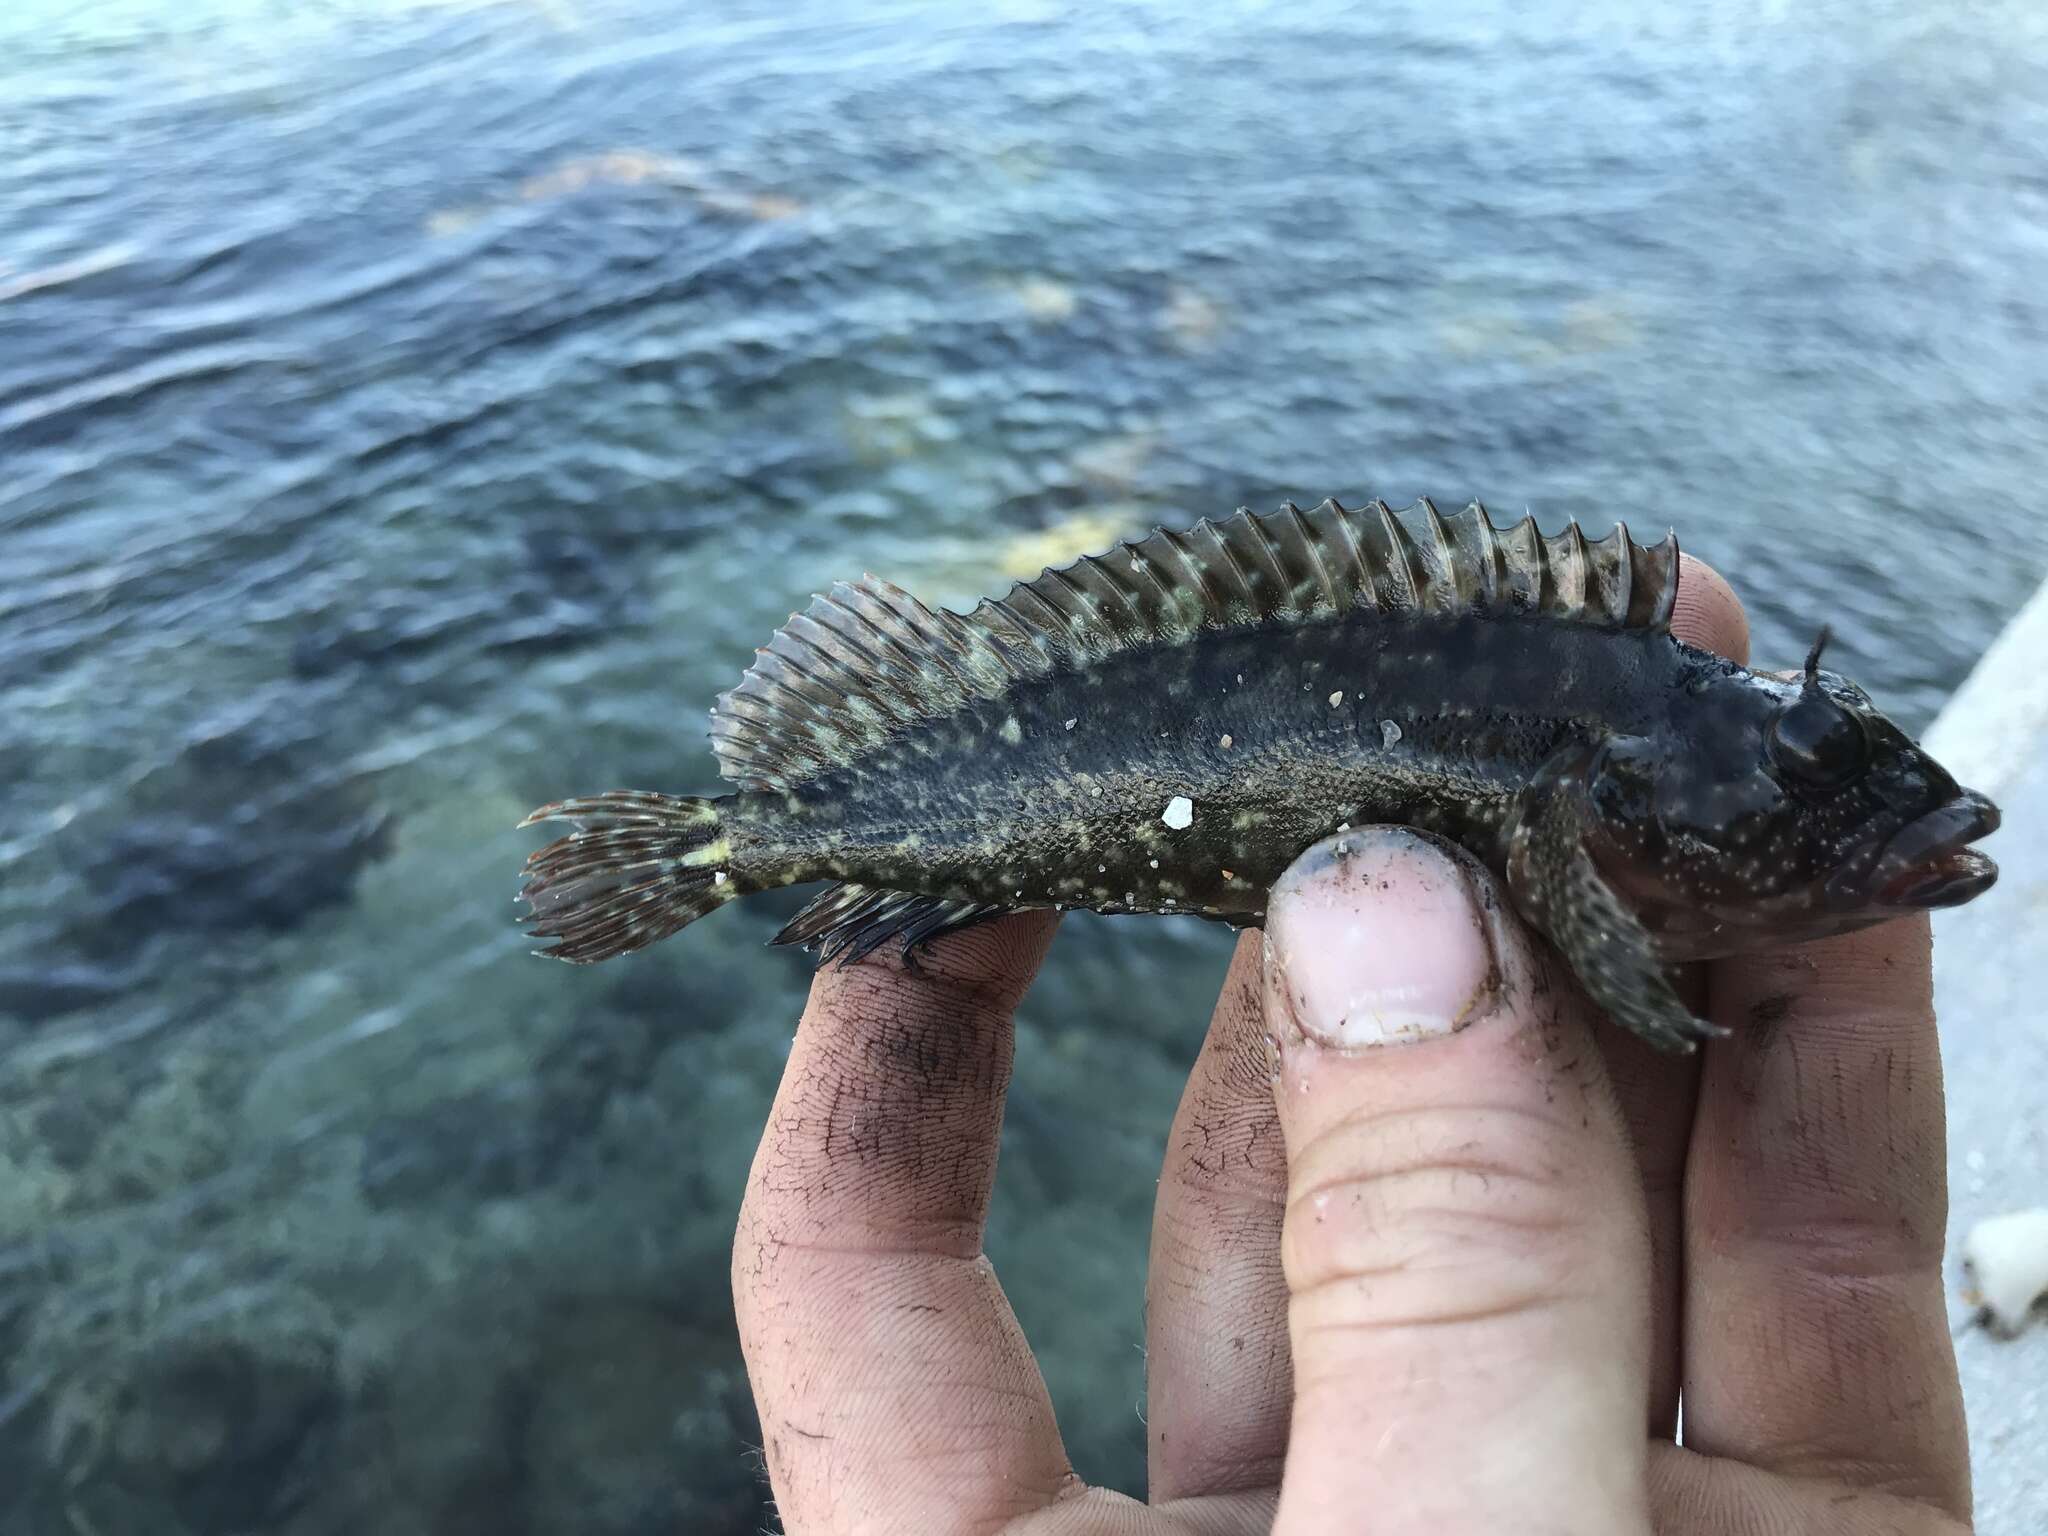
{"points": [[1465, 1242]]}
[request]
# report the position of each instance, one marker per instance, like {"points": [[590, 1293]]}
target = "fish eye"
{"points": [[1818, 742]]}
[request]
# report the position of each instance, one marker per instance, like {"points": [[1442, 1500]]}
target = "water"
{"points": [[413, 412]]}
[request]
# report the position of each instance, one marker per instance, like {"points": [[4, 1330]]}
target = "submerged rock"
{"points": [[180, 872], [221, 1426], [511, 1138], [241, 830], [478, 1147], [636, 1424], [38, 993], [215, 1417]]}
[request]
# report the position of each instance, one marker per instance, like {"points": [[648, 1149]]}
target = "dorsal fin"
{"points": [[861, 661], [868, 658], [1319, 563]]}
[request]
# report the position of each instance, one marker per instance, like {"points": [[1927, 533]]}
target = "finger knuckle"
{"points": [[1471, 1208]]}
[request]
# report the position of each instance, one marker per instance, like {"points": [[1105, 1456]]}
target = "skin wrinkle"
{"points": [[1514, 1305], [1232, 1145], [934, 1246], [1453, 1119], [1847, 1249], [1447, 1253], [1694, 1493], [955, 1070], [1425, 1168], [1399, 1195], [1226, 1222], [1836, 1344]]}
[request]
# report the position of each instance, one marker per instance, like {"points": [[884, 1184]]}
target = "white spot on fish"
{"points": [[1153, 862], [1180, 811], [1389, 733], [1224, 741], [718, 877], [1102, 869], [1073, 722], [1336, 698], [1012, 732]]}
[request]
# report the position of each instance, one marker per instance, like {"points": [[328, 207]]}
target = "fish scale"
{"points": [[1164, 728]]}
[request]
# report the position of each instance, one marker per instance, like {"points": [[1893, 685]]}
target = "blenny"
{"points": [[1165, 728]]}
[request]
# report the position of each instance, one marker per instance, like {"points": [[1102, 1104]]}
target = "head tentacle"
{"points": [[1820, 644]]}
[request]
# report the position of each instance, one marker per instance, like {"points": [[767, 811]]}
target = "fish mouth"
{"points": [[1929, 863]]}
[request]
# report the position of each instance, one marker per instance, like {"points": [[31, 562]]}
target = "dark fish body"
{"points": [[1166, 728], [1060, 792]]}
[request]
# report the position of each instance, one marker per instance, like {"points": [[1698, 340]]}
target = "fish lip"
{"points": [[1929, 863]]}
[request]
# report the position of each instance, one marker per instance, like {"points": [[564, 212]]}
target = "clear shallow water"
{"points": [[410, 413]]}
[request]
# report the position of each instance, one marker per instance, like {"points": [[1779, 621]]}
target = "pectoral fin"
{"points": [[1558, 887]]}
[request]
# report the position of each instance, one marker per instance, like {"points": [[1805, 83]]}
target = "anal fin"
{"points": [[849, 922]]}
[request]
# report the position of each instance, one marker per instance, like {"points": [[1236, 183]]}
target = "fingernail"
{"points": [[1380, 937]]}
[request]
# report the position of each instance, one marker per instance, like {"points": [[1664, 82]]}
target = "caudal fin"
{"points": [[638, 867]]}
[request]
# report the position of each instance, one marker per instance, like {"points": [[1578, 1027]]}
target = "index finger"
{"points": [[895, 1388]]}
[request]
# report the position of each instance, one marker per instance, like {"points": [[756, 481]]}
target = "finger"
{"points": [[895, 1388], [1708, 614], [1218, 1383], [1817, 1341], [1656, 1089], [1464, 1238]]}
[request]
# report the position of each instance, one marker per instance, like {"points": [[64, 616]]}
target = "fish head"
{"points": [[1779, 807]]}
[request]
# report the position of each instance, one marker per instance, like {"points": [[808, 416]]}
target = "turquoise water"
{"points": [[413, 412]]}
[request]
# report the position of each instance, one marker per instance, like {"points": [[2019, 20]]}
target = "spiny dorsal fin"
{"points": [[861, 661], [1319, 563], [867, 659], [849, 922]]}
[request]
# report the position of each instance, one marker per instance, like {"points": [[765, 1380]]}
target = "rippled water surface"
{"points": [[413, 412]]}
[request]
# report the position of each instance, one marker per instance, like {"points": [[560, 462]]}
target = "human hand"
{"points": [[1455, 1284]]}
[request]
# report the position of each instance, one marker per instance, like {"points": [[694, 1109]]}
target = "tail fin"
{"points": [[638, 867]]}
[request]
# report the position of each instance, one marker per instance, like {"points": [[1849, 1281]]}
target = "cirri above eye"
{"points": [[1818, 741]]}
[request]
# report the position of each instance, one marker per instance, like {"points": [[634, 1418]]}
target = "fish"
{"points": [[1164, 728]]}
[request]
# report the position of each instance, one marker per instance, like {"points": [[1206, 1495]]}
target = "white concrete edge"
{"points": [[1985, 732]]}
